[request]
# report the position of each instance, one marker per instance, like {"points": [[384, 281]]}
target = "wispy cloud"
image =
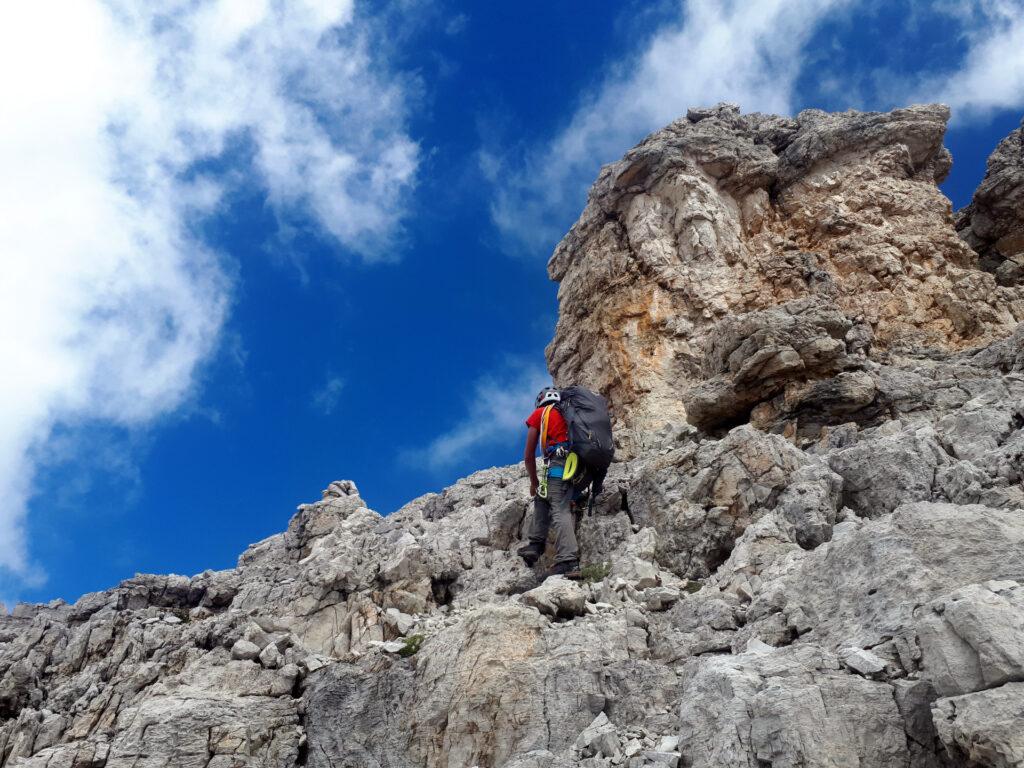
{"points": [[326, 398], [456, 24], [991, 75], [114, 114], [750, 53], [495, 408]]}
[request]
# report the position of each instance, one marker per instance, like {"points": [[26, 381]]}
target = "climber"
{"points": [[552, 496]]}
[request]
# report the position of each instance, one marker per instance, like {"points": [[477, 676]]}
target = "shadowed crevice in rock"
{"points": [[993, 223]]}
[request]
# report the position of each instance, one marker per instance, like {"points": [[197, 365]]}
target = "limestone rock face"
{"points": [[984, 728], [993, 224], [827, 570], [789, 706], [750, 601], [690, 241]]}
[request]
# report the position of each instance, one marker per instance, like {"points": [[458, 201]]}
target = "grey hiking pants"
{"points": [[555, 511]]}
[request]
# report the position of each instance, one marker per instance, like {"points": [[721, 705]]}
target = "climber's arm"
{"points": [[530, 458]]}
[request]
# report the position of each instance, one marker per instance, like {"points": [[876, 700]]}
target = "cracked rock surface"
{"points": [[757, 254], [813, 557]]}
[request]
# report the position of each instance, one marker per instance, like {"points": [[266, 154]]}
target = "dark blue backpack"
{"points": [[590, 432]]}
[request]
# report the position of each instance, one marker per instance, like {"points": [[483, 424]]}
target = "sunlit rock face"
{"points": [[833, 220]]}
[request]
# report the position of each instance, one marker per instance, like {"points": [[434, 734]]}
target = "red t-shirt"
{"points": [[558, 431]]}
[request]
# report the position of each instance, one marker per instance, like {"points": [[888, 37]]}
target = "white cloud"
{"points": [[495, 411], [108, 302], [456, 25], [327, 397], [749, 53], [991, 75]]}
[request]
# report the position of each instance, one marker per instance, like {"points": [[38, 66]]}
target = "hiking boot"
{"points": [[569, 569], [530, 554]]}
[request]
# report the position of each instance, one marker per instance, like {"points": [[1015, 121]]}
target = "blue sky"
{"points": [[251, 248]]}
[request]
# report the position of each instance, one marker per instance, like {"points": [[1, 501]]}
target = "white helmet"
{"points": [[547, 396]]}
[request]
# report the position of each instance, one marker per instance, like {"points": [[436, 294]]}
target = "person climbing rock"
{"points": [[552, 496]]}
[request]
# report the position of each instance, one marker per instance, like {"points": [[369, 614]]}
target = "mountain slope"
{"points": [[827, 570]]}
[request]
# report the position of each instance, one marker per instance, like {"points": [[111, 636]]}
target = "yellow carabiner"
{"points": [[571, 462]]}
